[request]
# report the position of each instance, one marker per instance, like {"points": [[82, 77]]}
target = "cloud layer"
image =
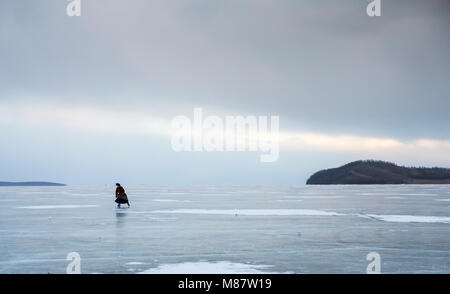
{"points": [[345, 86]]}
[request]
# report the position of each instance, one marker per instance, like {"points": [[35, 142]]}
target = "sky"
{"points": [[89, 100]]}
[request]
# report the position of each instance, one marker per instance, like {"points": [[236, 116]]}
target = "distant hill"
{"points": [[379, 172], [31, 184]]}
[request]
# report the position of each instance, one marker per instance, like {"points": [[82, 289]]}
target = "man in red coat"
{"points": [[121, 196]]}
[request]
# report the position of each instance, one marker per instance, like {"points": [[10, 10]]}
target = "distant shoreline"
{"points": [[372, 172], [30, 184]]}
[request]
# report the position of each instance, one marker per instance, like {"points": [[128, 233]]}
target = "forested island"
{"points": [[367, 172]]}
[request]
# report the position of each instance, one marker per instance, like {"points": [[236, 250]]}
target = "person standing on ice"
{"points": [[121, 196]]}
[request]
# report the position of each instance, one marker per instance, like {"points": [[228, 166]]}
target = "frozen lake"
{"points": [[304, 229]]}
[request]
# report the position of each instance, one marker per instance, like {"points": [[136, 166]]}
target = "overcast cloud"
{"points": [[87, 99]]}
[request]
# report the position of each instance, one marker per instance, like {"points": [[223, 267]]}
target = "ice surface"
{"points": [[258, 212], [309, 212], [55, 206], [226, 229], [218, 267], [411, 218], [134, 263], [169, 200]]}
